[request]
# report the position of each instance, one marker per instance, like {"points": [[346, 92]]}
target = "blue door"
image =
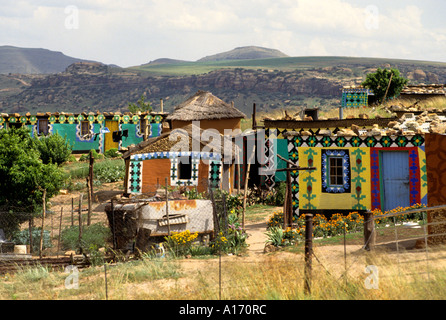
{"points": [[395, 179]]}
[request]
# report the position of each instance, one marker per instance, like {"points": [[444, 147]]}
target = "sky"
{"points": [[134, 32]]}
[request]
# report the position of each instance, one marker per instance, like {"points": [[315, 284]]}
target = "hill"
{"points": [[33, 60], [273, 83], [245, 53]]}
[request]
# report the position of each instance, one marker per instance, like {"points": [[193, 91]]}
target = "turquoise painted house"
{"points": [[86, 131]]}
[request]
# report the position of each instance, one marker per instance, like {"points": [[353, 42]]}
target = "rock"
{"points": [[391, 132], [305, 133], [391, 124], [346, 133], [412, 125], [408, 133], [64, 192], [355, 129], [325, 132], [363, 116]]}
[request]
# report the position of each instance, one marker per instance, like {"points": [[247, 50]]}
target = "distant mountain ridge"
{"points": [[33, 60], [245, 53]]}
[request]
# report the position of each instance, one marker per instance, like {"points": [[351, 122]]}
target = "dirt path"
{"points": [[256, 238]]}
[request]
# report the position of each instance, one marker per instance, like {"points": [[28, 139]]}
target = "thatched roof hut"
{"points": [[211, 111]]}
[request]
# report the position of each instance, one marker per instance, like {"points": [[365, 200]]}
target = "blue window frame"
{"points": [[335, 171]]}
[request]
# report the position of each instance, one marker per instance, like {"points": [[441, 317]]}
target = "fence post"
{"points": [[30, 229], [60, 231], [308, 250], [43, 223], [369, 231], [167, 207], [80, 222]]}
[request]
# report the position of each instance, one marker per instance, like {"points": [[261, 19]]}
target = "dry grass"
{"points": [[278, 275]]}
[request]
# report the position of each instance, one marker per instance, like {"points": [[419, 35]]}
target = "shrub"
{"points": [[93, 236], [53, 148], [22, 237], [109, 171], [112, 153]]}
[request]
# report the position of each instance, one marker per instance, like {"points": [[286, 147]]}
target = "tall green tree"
{"points": [[53, 148], [385, 83], [23, 178], [140, 105]]}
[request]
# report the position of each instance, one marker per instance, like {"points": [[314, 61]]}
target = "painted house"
{"points": [[184, 158], [211, 111], [359, 171], [86, 131]]}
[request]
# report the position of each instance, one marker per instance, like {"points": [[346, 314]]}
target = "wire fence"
{"points": [[404, 244]]}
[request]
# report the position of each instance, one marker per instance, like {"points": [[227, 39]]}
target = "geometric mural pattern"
{"points": [[303, 194]]}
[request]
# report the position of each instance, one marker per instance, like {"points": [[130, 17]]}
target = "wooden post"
{"points": [[167, 208], [369, 231], [43, 223], [90, 174], [287, 212], [214, 213], [72, 211], [80, 221], [113, 225], [308, 250], [248, 168], [254, 121], [89, 200], [60, 231], [30, 229]]}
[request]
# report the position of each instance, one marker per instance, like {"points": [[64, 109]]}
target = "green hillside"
{"points": [[282, 64]]}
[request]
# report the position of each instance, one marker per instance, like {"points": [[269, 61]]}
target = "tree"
{"points": [[385, 83], [140, 105], [53, 148], [24, 177]]}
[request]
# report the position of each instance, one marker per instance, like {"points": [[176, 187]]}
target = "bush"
{"points": [[53, 148], [112, 153], [93, 236], [109, 171], [86, 156], [22, 237]]}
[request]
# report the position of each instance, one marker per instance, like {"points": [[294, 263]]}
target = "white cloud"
{"points": [[136, 31]]}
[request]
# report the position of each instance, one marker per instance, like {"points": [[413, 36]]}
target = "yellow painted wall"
{"points": [[322, 200]]}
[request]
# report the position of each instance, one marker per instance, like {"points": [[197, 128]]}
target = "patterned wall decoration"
{"points": [[135, 181], [214, 160], [69, 125], [364, 162], [174, 179], [354, 98], [308, 178], [270, 152], [358, 179]]}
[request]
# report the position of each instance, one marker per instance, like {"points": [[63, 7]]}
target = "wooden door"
{"points": [[108, 137], [395, 179]]}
